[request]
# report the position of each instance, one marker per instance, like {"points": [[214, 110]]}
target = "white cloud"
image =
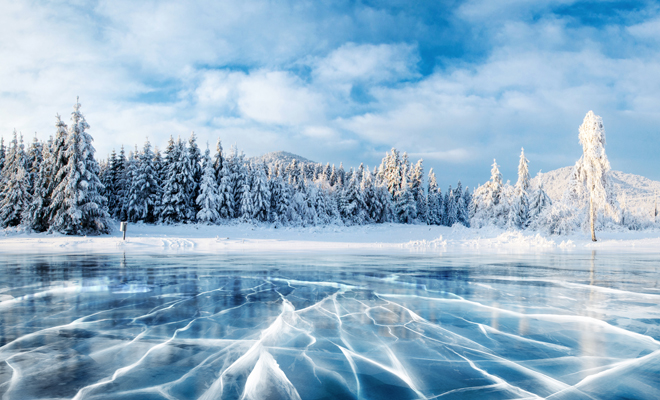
{"points": [[368, 63], [276, 97]]}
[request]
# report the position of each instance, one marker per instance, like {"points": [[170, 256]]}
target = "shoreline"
{"points": [[385, 238]]}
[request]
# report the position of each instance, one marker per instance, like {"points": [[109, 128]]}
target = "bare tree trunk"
{"points": [[593, 217]]}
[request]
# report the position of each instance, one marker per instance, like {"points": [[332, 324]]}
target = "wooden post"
{"points": [[122, 227]]}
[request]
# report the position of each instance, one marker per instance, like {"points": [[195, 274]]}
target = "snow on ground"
{"points": [[372, 238]]}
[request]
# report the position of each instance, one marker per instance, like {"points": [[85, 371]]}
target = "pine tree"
{"points": [[519, 213], [279, 201], [194, 157], [218, 160], [595, 166], [207, 201], [463, 215], [452, 208], [405, 203], [3, 151], [143, 197], [38, 214], [225, 194], [417, 188], [247, 205], [15, 195], [539, 202], [159, 178], [467, 204], [433, 201], [260, 194], [34, 160], [81, 209], [173, 208], [353, 211]]}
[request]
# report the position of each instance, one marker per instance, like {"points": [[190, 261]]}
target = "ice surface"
{"points": [[302, 326]]}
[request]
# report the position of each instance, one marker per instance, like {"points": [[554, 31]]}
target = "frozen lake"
{"points": [[396, 326]]}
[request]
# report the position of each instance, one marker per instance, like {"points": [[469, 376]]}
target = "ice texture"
{"points": [[301, 326]]}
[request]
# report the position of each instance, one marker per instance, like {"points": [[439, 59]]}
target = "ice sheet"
{"points": [[329, 326]]}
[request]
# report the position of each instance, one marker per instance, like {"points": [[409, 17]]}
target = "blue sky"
{"points": [[456, 83]]}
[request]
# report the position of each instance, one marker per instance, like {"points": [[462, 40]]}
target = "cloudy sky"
{"points": [[456, 83]]}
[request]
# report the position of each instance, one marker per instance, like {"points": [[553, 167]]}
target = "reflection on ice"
{"points": [[320, 328]]}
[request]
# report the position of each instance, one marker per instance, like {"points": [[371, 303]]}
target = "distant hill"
{"points": [[640, 191], [281, 157]]}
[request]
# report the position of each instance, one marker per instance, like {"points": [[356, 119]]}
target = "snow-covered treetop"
{"points": [[523, 173], [594, 161]]}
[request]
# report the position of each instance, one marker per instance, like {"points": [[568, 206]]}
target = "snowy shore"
{"points": [[242, 238]]}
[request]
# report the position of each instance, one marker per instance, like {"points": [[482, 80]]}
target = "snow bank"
{"points": [[369, 238]]}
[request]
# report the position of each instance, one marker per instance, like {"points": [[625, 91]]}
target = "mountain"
{"points": [[640, 192], [280, 157]]}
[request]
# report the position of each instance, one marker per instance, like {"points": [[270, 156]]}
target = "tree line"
{"points": [[58, 186]]}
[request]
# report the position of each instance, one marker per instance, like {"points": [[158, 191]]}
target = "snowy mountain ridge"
{"points": [[280, 157], [640, 192]]}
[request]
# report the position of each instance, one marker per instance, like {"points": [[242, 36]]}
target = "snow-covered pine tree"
{"points": [[467, 201], [519, 212], [34, 216], [81, 207], [405, 205], [173, 203], [34, 160], [417, 188], [594, 166], [368, 195], [333, 176], [3, 151], [434, 215], [159, 173], [489, 202], [353, 211], [341, 175], [246, 211], [218, 160], [15, 197], [279, 201], [294, 174], [207, 201], [538, 203], [393, 172], [225, 194], [130, 191], [260, 194], [194, 158], [51, 172], [144, 188], [452, 207], [463, 215]]}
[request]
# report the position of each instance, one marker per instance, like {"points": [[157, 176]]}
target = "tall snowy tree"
{"points": [[538, 202], [207, 201], [143, 198], [595, 166], [417, 188], [519, 212], [218, 160], [194, 158], [15, 196], [34, 160], [39, 212], [246, 210], [489, 203], [433, 201], [173, 203], [260, 194], [280, 201], [80, 207], [405, 205]]}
